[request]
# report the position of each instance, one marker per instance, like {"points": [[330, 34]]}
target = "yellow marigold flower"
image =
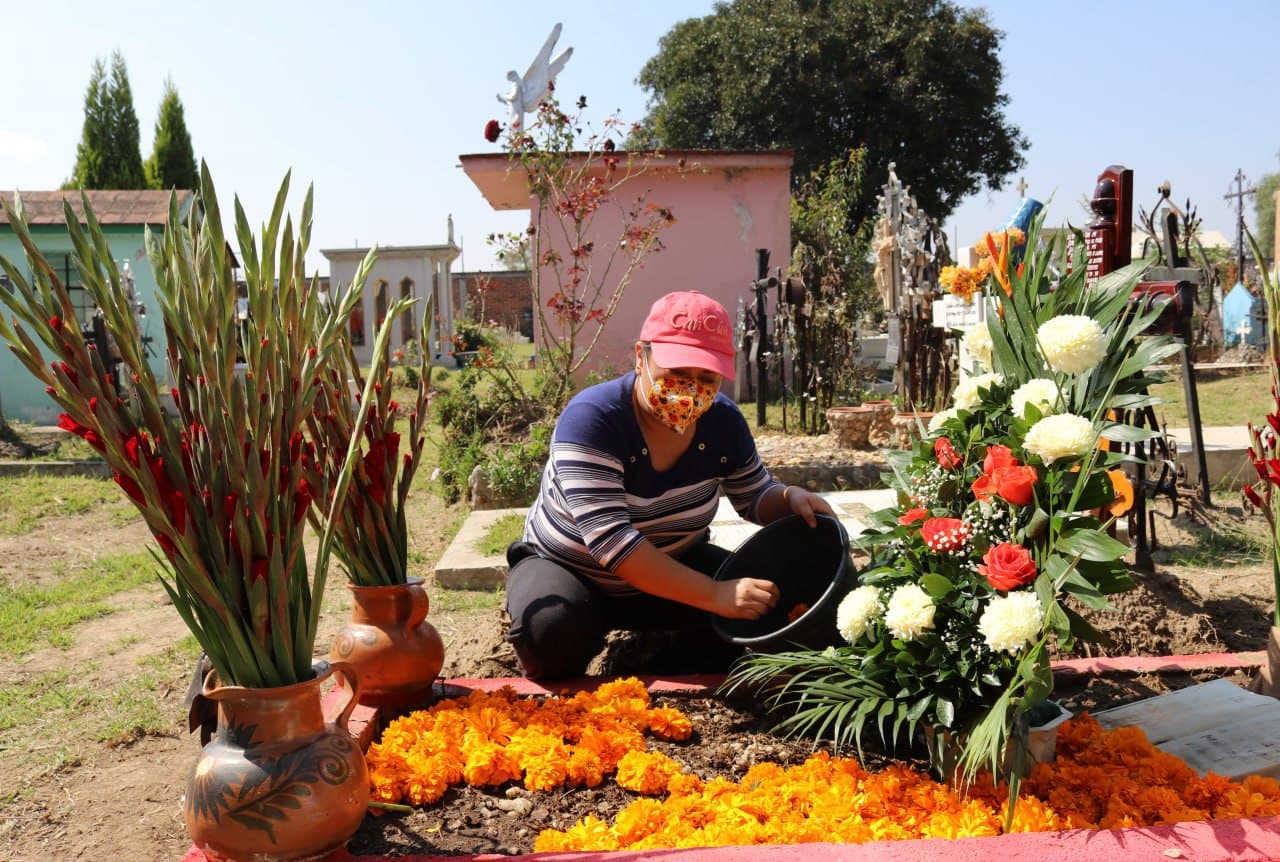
{"points": [[489, 763], [646, 771], [667, 722], [585, 767], [637, 821]]}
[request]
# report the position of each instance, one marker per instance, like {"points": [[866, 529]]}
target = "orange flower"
{"points": [[1123, 489]]}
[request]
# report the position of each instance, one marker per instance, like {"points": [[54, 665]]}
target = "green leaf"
{"points": [[1091, 545], [936, 585]]}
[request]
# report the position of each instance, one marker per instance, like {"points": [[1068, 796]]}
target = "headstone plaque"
{"points": [[1187, 711], [1215, 727], [1109, 236]]}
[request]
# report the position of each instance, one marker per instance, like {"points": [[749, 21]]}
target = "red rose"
{"points": [[944, 534], [1016, 484], [492, 130], [946, 454], [912, 515], [1008, 566], [984, 488], [998, 456]]}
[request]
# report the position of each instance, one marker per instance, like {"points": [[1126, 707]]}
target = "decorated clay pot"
{"points": [[277, 782], [908, 427], [851, 426], [396, 652]]}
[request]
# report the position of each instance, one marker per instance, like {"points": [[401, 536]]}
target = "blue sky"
{"points": [[374, 102]]}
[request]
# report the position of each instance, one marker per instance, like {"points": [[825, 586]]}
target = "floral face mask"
{"points": [[678, 401]]}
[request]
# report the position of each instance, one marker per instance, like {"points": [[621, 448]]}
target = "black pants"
{"points": [[559, 618]]}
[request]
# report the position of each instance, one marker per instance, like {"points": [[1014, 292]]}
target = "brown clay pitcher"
{"points": [[396, 652], [277, 782]]}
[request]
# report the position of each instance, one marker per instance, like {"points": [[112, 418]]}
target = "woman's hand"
{"points": [[744, 598], [806, 504]]}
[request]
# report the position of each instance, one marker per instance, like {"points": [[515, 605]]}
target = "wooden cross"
{"points": [[1022, 187]]}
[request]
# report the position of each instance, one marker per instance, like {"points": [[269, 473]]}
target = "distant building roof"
{"points": [[114, 207]]}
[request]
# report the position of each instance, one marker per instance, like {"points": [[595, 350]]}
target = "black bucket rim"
{"points": [[818, 604]]}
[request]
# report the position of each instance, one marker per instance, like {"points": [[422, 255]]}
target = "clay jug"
{"points": [[396, 652], [277, 782]]}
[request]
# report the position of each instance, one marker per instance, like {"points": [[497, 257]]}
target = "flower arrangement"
{"points": [[994, 251], [226, 484], [1000, 532], [371, 533]]}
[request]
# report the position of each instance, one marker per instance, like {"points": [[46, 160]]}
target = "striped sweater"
{"points": [[601, 497]]}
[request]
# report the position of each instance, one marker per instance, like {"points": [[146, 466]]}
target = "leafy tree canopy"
{"points": [[915, 82], [1264, 210], [108, 155], [173, 162]]}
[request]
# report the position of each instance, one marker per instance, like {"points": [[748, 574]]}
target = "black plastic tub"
{"points": [[813, 571]]}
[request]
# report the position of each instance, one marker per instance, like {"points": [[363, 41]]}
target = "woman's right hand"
{"points": [[745, 598]]}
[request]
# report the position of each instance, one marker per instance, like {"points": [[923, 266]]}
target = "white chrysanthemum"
{"points": [[910, 612], [1062, 436], [941, 416], [1072, 343], [966, 396], [977, 341], [1039, 391], [1011, 622], [857, 611]]}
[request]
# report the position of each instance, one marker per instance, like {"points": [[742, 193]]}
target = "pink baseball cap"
{"points": [[690, 330]]}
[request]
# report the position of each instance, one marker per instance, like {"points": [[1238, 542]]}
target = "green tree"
{"points": [[1264, 211], [916, 82], [108, 155], [173, 162]]}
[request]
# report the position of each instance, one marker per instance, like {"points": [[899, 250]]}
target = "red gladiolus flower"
{"points": [[912, 515], [1007, 566], [55, 322], [66, 423], [1251, 494], [130, 487], [258, 569], [946, 454], [166, 545], [492, 130], [944, 534]]}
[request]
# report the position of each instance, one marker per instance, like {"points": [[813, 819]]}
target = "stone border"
{"points": [[94, 469]]}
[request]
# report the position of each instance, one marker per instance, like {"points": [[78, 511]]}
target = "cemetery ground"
{"points": [[94, 665]]}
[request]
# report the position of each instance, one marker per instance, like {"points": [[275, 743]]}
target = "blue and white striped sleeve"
{"points": [[748, 482], [590, 478]]}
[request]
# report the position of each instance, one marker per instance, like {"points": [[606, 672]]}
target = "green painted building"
{"points": [[124, 216]]}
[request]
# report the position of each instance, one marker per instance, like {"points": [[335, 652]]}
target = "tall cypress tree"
{"points": [[108, 155], [90, 155], [173, 162]]}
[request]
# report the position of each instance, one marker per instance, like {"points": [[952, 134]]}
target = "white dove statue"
{"points": [[526, 92]]}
